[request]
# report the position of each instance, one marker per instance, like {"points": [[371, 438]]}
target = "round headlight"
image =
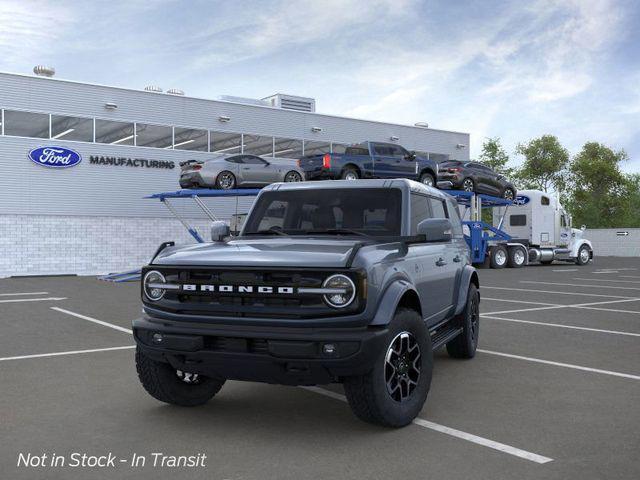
{"points": [[151, 289], [345, 291]]}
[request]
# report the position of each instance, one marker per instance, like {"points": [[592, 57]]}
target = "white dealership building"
{"points": [[91, 218]]}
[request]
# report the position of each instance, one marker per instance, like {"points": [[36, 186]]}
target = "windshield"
{"points": [[340, 211]]}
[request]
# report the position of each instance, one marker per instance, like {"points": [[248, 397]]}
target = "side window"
{"points": [[517, 220], [437, 208], [544, 201], [253, 160], [382, 150], [454, 215], [420, 210], [237, 159], [397, 151]]}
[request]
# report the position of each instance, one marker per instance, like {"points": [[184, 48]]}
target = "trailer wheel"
{"points": [[517, 257], [499, 256]]}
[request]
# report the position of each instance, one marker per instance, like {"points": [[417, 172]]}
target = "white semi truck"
{"points": [[540, 231]]}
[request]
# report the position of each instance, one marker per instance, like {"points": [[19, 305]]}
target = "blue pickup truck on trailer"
{"points": [[370, 160]]}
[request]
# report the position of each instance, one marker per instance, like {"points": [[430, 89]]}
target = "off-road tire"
{"points": [[514, 260], [350, 172], [499, 256], [426, 176], [368, 395], [579, 259], [220, 179], [161, 381], [465, 344]]}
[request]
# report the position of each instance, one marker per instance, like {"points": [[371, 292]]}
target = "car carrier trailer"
{"points": [[534, 228]]}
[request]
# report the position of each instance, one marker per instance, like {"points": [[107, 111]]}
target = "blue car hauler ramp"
{"points": [[481, 235], [196, 195]]}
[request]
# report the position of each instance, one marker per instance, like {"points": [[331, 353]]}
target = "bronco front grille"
{"points": [[228, 292]]}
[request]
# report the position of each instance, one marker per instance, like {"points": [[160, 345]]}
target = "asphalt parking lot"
{"points": [[554, 392]]}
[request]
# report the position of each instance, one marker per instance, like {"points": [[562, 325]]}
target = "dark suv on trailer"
{"points": [[339, 281], [475, 177]]}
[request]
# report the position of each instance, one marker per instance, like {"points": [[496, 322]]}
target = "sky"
{"points": [[509, 69]]}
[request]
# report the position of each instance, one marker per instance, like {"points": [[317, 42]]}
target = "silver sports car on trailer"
{"points": [[232, 171]]}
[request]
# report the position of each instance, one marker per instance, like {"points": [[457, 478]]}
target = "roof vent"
{"points": [[153, 88], [244, 100], [175, 91], [43, 71], [422, 124], [291, 102]]}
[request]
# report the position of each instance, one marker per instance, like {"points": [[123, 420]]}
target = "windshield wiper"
{"points": [[268, 232], [336, 231]]}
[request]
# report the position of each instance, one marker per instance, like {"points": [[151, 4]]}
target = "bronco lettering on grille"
{"points": [[262, 289]]}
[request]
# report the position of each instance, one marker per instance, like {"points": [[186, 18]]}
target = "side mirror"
{"points": [[583, 228], [219, 230], [410, 156], [435, 229]]}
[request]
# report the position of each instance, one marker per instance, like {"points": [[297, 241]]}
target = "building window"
{"points": [[316, 148], [258, 145], [287, 148], [190, 139], [26, 124], [226, 143], [115, 133], [71, 128], [157, 136]]}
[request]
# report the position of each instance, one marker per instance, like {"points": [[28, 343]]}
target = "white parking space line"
{"points": [[559, 325], [575, 305], [20, 300], [560, 364], [94, 320], [526, 302], [23, 293], [469, 437], [629, 276], [553, 291], [566, 270], [634, 312], [606, 280], [71, 352], [580, 285]]}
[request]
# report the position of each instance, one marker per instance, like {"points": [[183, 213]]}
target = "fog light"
{"points": [[329, 348], [157, 338]]}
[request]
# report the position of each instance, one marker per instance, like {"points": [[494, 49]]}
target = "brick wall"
{"points": [[51, 245], [611, 242]]}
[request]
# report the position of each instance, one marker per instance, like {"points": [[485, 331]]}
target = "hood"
{"points": [[263, 252]]}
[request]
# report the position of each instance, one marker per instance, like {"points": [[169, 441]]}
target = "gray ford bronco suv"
{"points": [[344, 281]]}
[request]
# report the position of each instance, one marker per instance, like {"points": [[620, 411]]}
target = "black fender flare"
{"points": [[389, 302], [469, 275]]}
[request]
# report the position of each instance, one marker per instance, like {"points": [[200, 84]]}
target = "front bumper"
{"points": [[281, 355]]}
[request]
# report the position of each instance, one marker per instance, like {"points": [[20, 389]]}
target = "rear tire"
{"points": [[225, 180], [292, 176], [499, 256], [166, 384], [350, 173], [517, 257], [427, 179], [465, 344], [468, 185], [386, 396]]}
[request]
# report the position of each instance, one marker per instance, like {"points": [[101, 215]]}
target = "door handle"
{"points": [[441, 262], [246, 168], [457, 259]]}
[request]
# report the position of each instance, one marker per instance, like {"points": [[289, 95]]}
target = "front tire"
{"points": [[465, 344], [584, 255], [468, 185], [225, 180], [168, 385], [393, 393], [427, 179]]}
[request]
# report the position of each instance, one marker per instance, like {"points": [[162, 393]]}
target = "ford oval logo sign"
{"points": [[55, 157], [521, 200]]}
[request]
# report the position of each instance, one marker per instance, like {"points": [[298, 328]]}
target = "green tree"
{"points": [[545, 164], [600, 195], [494, 156]]}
